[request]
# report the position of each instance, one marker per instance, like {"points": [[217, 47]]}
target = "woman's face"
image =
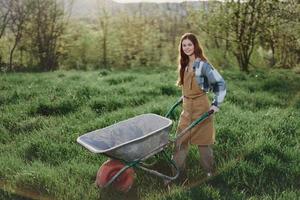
{"points": [[187, 47]]}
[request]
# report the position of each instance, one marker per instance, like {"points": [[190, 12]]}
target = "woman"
{"points": [[196, 77]]}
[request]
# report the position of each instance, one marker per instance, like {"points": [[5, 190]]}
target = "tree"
{"points": [[104, 21], [245, 21], [5, 9], [18, 17], [48, 22], [281, 31], [242, 26]]}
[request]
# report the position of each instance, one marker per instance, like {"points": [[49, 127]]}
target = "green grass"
{"points": [[42, 114]]}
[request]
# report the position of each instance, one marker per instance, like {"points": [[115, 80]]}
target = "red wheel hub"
{"points": [[109, 169]]}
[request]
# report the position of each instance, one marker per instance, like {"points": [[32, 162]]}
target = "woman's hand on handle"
{"points": [[214, 108]]}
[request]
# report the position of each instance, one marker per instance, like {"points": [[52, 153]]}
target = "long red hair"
{"points": [[184, 59]]}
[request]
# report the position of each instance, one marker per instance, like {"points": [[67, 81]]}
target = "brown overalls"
{"points": [[195, 103]]}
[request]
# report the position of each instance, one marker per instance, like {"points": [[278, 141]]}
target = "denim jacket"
{"points": [[209, 79]]}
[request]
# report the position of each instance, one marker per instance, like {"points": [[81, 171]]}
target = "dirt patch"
{"points": [[20, 193]]}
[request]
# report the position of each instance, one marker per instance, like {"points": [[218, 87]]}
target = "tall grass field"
{"points": [[257, 149]]}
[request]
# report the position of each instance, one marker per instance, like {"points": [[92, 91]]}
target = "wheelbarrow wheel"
{"points": [[108, 169]]}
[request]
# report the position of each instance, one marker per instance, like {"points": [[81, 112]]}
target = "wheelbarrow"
{"points": [[130, 142]]}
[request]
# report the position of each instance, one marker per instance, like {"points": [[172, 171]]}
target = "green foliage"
{"points": [[205, 192], [257, 33], [50, 152], [42, 114], [4, 137], [54, 108], [22, 126], [245, 34], [120, 80]]}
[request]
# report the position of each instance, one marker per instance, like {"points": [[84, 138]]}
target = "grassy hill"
{"points": [[42, 114], [91, 8]]}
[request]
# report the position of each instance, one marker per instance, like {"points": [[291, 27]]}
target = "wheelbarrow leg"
{"points": [[171, 178], [166, 177]]}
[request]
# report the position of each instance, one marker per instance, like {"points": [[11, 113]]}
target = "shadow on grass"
{"points": [[48, 108]]}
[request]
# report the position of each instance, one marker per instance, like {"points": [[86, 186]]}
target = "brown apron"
{"points": [[195, 103]]}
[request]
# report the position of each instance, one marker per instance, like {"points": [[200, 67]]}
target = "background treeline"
{"points": [[45, 35]]}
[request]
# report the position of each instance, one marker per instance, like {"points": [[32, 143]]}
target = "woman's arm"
{"points": [[216, 83]]}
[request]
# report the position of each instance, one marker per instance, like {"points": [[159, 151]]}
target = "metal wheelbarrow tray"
{"points": [[133, 139]]}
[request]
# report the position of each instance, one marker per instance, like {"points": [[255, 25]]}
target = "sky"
{"points": [[156, 1]]}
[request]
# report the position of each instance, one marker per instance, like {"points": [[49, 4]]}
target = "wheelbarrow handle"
{"points": [[179, 101]]}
